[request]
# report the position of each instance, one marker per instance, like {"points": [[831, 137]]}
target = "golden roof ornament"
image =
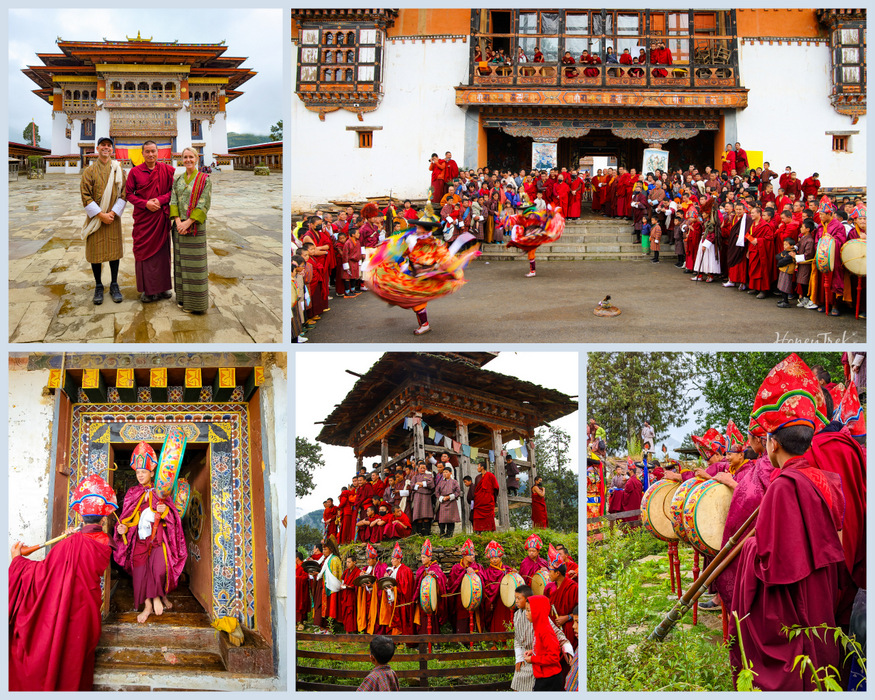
{"points": [[139, 38]]}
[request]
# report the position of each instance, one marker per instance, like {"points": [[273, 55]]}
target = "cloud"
{"points": [[256, 34]]}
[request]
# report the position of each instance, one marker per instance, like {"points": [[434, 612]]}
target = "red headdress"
{"points": [[534, 541], [468, 549], [554, 558], [710, 444], [858, 212], [396, 551], [426, 549], [144, 457], [826, 206], [735, 439], [756, 429], [850, 412], [370, 210], [93, 496], [789, 395], [493, 549], [371, 551]]}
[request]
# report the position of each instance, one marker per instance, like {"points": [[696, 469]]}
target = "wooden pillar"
{"points": [[465, 469], [418, 439], [384, 451], [501, 476], [359, 462]]}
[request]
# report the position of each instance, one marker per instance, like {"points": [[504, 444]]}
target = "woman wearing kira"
{"points": [[189, 204]]}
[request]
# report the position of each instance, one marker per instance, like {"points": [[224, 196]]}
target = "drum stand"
{"points": [[859, 292], [827, 290], [674, 567], [471, 614], [428, 627]]}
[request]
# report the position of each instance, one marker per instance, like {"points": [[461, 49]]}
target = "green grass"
{"points": [[626, 599]]}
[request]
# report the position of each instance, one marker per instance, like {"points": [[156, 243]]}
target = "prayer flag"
{"points": [[474, 452], [438, 438], [491, 455], [406, 424], [457, 447], [524, 452], [431, 433], [448, 442], [466, 450]]}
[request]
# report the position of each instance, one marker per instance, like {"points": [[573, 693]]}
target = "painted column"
{"points": [[465, 469], [501, 476], [220, 133], [384, 451], [101, 122], [60, 142], [207, 137], [183, 128]]}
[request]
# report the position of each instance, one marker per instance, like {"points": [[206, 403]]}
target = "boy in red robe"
{"points": [[149, 543], [485, 492], [432, 568], [497, 616], [369, 596], [789, 570], [329, 518], [466, 565], [539, 504], [565, 597], [302, 591], [54, 604], [400, 526], [402, 602], [533, 562], [347, 603]]}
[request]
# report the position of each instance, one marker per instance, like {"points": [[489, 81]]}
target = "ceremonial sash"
{"points": [[197, 189], [116, 177]]}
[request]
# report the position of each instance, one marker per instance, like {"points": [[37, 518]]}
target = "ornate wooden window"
{"points": [[847, 43]]}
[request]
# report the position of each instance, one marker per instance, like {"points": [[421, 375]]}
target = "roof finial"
{"points": [[139, 37]]}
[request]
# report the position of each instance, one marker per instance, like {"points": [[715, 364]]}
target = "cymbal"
{"points": [[386, 582], [364, 580], [311, 567]]}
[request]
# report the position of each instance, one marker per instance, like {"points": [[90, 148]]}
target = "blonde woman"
{"points": [[189, 204]]}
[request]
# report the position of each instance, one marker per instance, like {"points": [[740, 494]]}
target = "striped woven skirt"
{"points": [[190, 270]]}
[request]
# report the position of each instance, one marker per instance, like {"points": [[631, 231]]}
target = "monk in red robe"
{"points": [[368, 597], [329, 518], [465, 565], [404, 595], [400, 526], [432, 568], [759, 254], [609, 208], [633, 491], [452, 168], [577, 185], [736, 251], [323, 262], [347, 603], [496, 615], [624, 194], [346, 503], [315, 595], [485, 493], [539, 504], [562, 192], [597, 190], [364, 525], [148, 188], [565, 597], [660, 55], [54, 604], [438, 168], [149, 543], [790, 569], [302, 591], [532, 563]]}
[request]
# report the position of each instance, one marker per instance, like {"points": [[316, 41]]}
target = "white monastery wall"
{"points": [[30, 438], [789, 113], [418, 115]]}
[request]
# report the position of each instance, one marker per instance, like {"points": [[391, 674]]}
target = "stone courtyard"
{"points": [[50, 282]]}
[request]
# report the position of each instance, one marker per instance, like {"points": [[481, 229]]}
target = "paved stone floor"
{"points": [[659, 305], [50, 282]]}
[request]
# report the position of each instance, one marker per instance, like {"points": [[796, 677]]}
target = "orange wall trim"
{"points": [[782, 22]]}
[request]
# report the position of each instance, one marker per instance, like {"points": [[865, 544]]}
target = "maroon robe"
{"points": [[495, 613], [485, 491], [399, 527], [54, 614], [577, 185], [737, 255], [348, 600], [440, 615], [789, 575], [462, 614], [632, 494], [759, 256], [329, 520], [402, 611], [529, 567], [562, 193], [624, 195], [564, 598], [302, 594], [347, 515], [539, 511], [151, 231], [155, 563]]}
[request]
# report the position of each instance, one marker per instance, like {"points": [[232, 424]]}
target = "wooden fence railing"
{"points": [[410, 679], [611, 517]]}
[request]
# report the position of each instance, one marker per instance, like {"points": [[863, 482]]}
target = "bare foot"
{"points": [[159, 608], [166, 602], [147, 610]]}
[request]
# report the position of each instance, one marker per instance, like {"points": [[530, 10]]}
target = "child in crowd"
{"points": [[786, 267], [655, 235], [804, 261], [299, 294], [381, 678], [352, 256]]}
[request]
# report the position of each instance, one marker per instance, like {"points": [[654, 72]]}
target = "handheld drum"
{"points": [[428, 594], [656, 510], [704, 515], [170, 461], [182, 497], [825, 254], [471, 591], [677, 507], [854, 257], [540, 579], [509, 584]]}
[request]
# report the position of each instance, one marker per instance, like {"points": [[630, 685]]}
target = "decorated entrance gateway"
{"points": [[136, 90], [204, 424]]}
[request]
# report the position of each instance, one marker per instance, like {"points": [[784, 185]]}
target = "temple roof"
{"points": [[463, 369], [81, 58]]}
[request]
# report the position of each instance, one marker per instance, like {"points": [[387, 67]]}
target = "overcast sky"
{"points": [[256, 34], [318, 391]]}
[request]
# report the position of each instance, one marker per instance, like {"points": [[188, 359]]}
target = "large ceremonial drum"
{"points": [[825, 255], [854, 257], [181, 497], [677, 507], [170, 461], [540, 579], [656, 510], [509, 584], [428, 594], [471, 591], [705, 515]]}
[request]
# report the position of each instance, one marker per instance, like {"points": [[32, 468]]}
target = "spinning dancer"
{"points": [[532, 228], [412, 268]]}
